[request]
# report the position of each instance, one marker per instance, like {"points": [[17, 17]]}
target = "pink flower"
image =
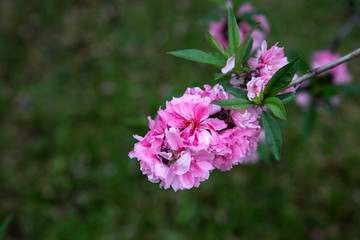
{"points": [[267, 62], [190, 167], [192, 136], [236, 144], [219, 28], [340, 74], [303, 99], [255, 86], [230, 64], [337, 75], [191, 114]]}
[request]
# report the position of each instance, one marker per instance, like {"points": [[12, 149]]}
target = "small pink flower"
{"points": [[267, 62], [340, 74], [303, 99], [255, 86]]}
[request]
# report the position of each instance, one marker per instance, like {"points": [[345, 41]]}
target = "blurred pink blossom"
{"points": [[219, 29], [338, 75]]}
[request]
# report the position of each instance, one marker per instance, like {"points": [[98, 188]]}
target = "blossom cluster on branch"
{"points": [[191, 137], [219, 127]]}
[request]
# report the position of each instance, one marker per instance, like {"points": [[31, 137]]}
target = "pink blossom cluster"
{"points": [[265, 63], [219, 29], [338, 75], [191, 137]]}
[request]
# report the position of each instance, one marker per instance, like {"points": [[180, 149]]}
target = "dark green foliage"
{"points": [[199, 56], [237, 92], [272, 134], [309, 119], [244, 47], [233, 32], [286, 97], [235, 103], [281, 79], [3, 226], [276, 106]]}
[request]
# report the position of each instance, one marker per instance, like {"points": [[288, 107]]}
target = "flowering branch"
{"points": [[313, 72]]}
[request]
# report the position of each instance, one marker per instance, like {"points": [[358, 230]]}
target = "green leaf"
{"points": [[281, 79], [247, 50], [286, 97], [233, 32], [3, 227], [226, 52], [236, 4], [351, 88], [215, 45], [264, 153], [272, 134], [199, 56], [276, 106], [309, 119], [235, 103], [329, 106], [219, 76], [237, 92], [239, 53]]}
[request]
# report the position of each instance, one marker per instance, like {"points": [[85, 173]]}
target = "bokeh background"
{"points": [[79, 78]]}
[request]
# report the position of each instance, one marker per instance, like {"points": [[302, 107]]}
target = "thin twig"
{"points": [[313, 72]]}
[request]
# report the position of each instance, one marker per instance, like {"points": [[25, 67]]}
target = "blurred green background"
{"points": [[79, 78]]}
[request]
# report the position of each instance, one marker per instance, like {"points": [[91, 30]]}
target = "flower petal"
{"points": [[174, 140], [182, 165], [230, 64]]}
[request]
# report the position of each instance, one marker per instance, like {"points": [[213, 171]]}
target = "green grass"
{"points": [[78, 79]]}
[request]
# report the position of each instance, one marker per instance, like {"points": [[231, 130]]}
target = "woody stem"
{"points": [[316, 71]]}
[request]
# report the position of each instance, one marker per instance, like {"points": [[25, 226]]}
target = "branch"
{"points": [[313, 72]]}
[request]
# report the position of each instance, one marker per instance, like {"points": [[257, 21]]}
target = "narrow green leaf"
{"points": [[236, 4], [309, 119], [286, 97], [276, 106], [235, 103], [272, 134], [215, 45], [237, 92], [233, 32], [247, 50], [281, 79], [226, 52], [351, 88], [4, 224], [329, 106], [199, 56], [328, 91], [239, 53], [219, 76]]}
